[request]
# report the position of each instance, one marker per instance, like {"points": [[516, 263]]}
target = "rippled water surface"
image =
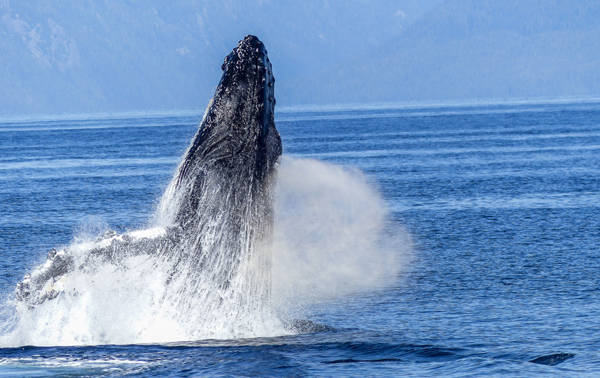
{"points": [[502, 201]]}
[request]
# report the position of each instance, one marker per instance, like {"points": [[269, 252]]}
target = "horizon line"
{"points": [[310, 108]]}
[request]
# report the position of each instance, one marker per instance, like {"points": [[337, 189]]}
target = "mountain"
{"points": [[468, 49], [113, 56]]}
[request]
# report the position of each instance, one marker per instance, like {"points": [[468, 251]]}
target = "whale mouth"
{"points": [[237, 142], [243, 105]]}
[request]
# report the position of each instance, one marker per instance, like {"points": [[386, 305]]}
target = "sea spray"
{"points": [[333, 235], [329, 240], [219, 259]]}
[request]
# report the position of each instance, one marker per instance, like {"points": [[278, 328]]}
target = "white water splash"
{"points": [[329, 240], [332, 234]]}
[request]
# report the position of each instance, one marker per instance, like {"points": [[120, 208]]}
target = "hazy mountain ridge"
{"points": [[107, 56], [89, 56], [466, 49]]}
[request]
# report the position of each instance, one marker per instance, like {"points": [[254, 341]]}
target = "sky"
{"points": [[95, 56]]}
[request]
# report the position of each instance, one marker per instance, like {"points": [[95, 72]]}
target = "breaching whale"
{"points": [[216, 214]]}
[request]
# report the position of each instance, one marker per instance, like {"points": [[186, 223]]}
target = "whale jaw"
{"points": [[237, 140]]}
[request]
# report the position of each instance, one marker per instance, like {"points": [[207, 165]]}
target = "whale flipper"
{"points": [[552, 359]]}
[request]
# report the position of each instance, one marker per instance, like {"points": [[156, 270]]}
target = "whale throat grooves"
{"points": [[221, 198]]}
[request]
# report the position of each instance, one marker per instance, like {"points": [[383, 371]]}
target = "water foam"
{"points": [[331, 238]]}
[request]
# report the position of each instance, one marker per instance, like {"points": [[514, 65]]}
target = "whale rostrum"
{"points": [[216, 216]]}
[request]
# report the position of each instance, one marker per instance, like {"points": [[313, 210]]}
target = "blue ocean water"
{"points": [[502, 203]]}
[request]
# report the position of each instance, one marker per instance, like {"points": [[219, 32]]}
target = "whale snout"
{"points": [[249, 55]]}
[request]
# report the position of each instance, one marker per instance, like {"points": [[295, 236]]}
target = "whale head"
{"points": [[235, 151]]}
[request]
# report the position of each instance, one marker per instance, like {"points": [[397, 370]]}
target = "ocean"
{"points": [[491, 216]]}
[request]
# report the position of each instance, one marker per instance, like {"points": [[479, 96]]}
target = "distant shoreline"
{"points": [[309, 108]]}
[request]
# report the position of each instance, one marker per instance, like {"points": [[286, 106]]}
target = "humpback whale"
{"points": [[216, 215]]}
